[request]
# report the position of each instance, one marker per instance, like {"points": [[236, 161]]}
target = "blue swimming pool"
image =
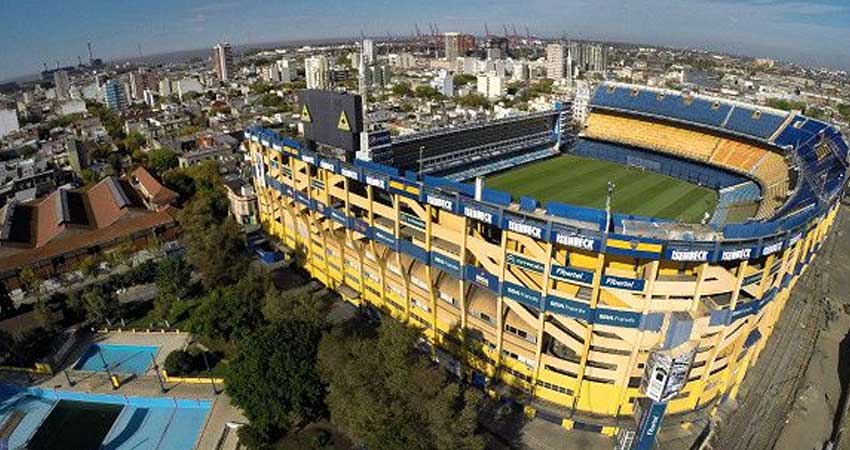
{"points": [[126, 359], [143, 423]]}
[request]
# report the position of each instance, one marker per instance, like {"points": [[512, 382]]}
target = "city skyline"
{"points": [[758, 28]]}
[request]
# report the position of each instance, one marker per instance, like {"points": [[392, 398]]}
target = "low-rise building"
{"points": [[243, 202]]}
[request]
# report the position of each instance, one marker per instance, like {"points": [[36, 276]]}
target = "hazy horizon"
{"points": [[814, 32]]}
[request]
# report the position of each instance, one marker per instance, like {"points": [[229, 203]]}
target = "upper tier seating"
{"points": [[769, 168]]}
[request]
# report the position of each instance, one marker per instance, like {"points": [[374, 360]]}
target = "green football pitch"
{"points": [[583, 181]]}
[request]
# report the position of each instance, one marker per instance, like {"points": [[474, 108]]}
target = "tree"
{"points": [[370, 396], [89, 176], [98, 305], [427, 92], [402, 89], [46, 316], [232, 312], [30, 281], [133, 142], [473, 100], [273, 377], [296, 304], [462, 79], [180, 363], [88, 266], [217, 251], [162, 159], [174, 277]]}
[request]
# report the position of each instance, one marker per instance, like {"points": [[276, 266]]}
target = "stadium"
{"points": [[494, 239]]}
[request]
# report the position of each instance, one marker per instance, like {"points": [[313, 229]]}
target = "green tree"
{"points": [[174, 277], [384, 394], [89, 176], [427, 92], [229, 313], [30, 281], [402, 89], [217, 251], [273, 377], [133, 142], [473, 100], [97, 305], [180, 363], [462, 79], [46, 316], [88, 266], [295, 304], [162, 159]]}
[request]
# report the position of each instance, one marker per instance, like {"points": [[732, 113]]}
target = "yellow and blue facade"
{"points": [[547, 301]]}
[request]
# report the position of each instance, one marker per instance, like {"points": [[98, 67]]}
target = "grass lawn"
{"points": [[583, 181]]}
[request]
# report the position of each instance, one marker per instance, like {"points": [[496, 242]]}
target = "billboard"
{"points": [[666, 374], [333, 119]]}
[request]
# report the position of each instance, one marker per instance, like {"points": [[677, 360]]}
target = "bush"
{"points": [[180, 363], [252, 438]]}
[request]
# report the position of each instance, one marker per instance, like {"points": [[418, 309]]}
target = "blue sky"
{"points": [[32, 32]]}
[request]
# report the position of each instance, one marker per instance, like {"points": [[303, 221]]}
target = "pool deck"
{"points": [[147, 385]]}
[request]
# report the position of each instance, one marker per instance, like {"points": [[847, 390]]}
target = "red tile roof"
{"points": [[155, 192]]}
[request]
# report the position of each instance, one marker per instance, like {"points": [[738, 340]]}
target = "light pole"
{"points": [[209, 371], [421, 162], [611, 187]]}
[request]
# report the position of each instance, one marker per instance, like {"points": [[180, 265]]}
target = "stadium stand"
{"points": [[447, 147], [474, 169], [722, 115], [733, 196], [651, 135]]}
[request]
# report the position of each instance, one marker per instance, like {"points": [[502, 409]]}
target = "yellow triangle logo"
{"points": [[305, 114], [343, 122]]}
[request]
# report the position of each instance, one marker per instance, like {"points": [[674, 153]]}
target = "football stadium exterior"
{"points": [[582, 314]]}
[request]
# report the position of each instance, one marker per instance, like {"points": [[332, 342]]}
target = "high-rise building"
{"points": [[316, 72], [165, 88], [369, 55], [491, 85], [115, 95], [457, 44], [444, 82], [594, 58], [556, 62], [581, 101], [62, 85], [8, 121], [222, 57]]}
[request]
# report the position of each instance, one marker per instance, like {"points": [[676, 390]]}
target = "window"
{"points": [[555, 387]]}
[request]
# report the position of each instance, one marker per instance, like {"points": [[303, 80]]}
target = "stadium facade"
{"points": [[592, 318]]}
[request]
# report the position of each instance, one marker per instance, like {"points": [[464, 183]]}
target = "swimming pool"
{"points": [[126, 359], [138, 423]]}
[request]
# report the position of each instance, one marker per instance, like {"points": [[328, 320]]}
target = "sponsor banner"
{"points": [[629, 284], [605, 316], [652, 414], [525, 263], [301, 198], [446, 264], [528, 227], [384, 237], [329, 165], [522, 294], [735, 253], [688, 254], [480, 212], [265, 142], [361, 227], [413, 221], [754, 278], [414, 251], [745, 309], [377, 181], [573, 239], [565, 273], [338, 216], [794, 239], [569, 308], [440, 201], [350, 172], [771, 248], [308, 158], [481, 277]]}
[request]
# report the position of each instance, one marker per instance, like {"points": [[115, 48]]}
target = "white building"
{"points": [[316, 72], [369, 54], [444, 83], [72, 107], [556, 62], [402, 60], [165, 88], [491, 85], [187, 85], [62, 85], [8, 122], [581, 102], [520, 71]]}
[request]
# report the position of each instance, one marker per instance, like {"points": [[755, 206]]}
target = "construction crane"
{"points": [[486, 31], [514, 30], [416, 30], [505, 27], [527, 33]]}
